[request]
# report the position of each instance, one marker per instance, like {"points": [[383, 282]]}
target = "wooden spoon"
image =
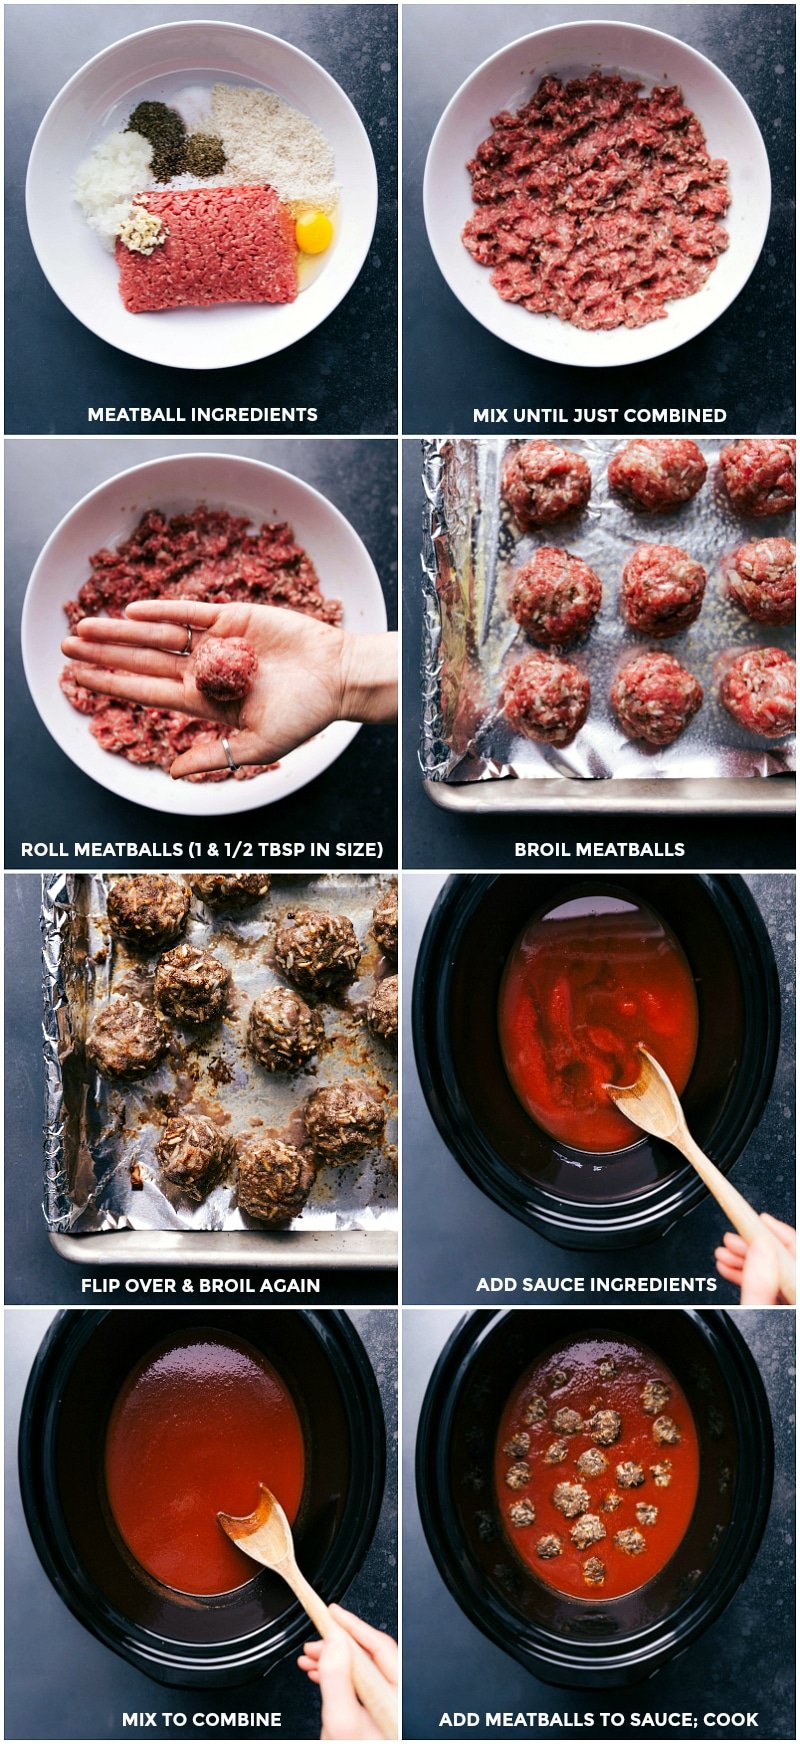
{"points": [[267, 1536], [652, 1103]]}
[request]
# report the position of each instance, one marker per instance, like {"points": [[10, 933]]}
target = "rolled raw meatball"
{"points": [[273, 1180], [555, 597], [658, 472], [759, 474], [546, 699], [541, 482], [148, 909], [225, 667], [662, 590], [760, 691], [344, 1122], [761, 580], [654, 698]]}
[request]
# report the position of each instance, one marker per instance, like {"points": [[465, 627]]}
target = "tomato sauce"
{"points": [[585, 982], [575, 1377], [200, 1422]]}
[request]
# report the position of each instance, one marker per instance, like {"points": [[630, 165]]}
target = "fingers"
{"points": [[150, 662], [207, 754], [735, 1244], [784, 1231], [131, 687], [341, 1710], [760, 1286], [381, 1647], [174, 611], [171, 637]]}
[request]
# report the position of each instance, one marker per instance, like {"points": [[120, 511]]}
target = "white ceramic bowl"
{"points": [[109, 514], [157, 64], [571, 51]]}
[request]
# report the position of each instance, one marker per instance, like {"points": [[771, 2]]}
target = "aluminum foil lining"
{"points": [[470, 546], [100, 1137]]}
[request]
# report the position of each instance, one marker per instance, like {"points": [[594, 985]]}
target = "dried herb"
{"points": [[165, 132], [205, 155]]}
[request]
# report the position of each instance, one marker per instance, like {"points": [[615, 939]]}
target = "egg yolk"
{"points": [[313, 232]]}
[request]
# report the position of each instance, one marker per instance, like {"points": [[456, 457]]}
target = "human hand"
{"points": [[309, 674], [328, 1663], [752, 1269]]}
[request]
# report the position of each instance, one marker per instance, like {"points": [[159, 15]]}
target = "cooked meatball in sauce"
{"points": [[344, 1122], [192, 986], [148, 909], [546, 700], [127, 1038], [318, 952], [657, 472], [273, 1179], [662, 590], [282, 1032], [555, 597], [639, 1523], [759, 474], [192, 1154], [229, 892], [542, 482]]}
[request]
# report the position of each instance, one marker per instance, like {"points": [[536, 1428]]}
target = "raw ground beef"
{"points": [[224, 668], [761, 580], [224, 245], [597, 204], [759, 690], [655, 698], [662, 590], [546, 699], [206, 554], [658, 472], [542, 482], [759, 474], [555, 597]]}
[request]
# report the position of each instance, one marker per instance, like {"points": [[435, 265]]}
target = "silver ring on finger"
{"points": [[229, 757], [187, 649]]}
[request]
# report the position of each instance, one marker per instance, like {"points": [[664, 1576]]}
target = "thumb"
{"points": [[341, 1712], [759, 1275]]}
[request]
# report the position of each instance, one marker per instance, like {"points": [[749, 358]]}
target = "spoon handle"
{"points": [[372, 1687], [741, 1214]]}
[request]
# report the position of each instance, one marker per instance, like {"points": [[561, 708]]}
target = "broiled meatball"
{"points": [[759, 474], [591, 1463], [549, 1546], [227, 892], [382, 1011], [662, 1473], [662, 590], [654, 1396], [555, 597], [594, 1571], [385, 923], [517, 1444], [191, 985], [225, 667], [535, 1410], [761, 580], [518, 1475], [522, 1513], [760, 691], [127, 1039], [655, 698], [607, 1367], [604, 1427], [541, 482], [589, 1529], [646, 1513], [344, 1122], [630, 1541], [666, 1431], [273, 1180], [567, 1422], [192, 1154], [318, 952], [629, 1475], [148, 909], [556, 1453], [546, 699], [282, 1031], [658, 472], [611, 1502], [571, 1499]]}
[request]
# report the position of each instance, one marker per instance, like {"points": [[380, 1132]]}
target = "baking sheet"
{"points": [[470, 546], [96, 1132]]}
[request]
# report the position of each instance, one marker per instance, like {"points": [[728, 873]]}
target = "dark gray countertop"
{"points": [[743, 363], [447, 839], [454, 1235], [62, 1683], [55, 368], [744, 1662], [48, 798]]}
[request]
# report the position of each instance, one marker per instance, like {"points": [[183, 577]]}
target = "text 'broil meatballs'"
{"points": [[274, 1179], [555, 597], [546, 700], [282, 1031], [658, 472], [542, 482], [662, 590], [192, 986], [230, 891], [192, 1154], [147, 909], [344, 1122], [127, 1038], [318, 952]]}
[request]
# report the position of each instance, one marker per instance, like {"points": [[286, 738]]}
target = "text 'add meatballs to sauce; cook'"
{"points": [[385, 923], [382, 1011], [555, 597], [658, 472], [282, 1031], [546, 699], [229, 892], [225, 667], [760, 691], [761, 580], [148, 909], [318, 952], [192, 1154], [655, 698], [662, 590], [192, 986], [274, 1179], [542, 482], [127, 1038], [344, 1122], [759, 474]]}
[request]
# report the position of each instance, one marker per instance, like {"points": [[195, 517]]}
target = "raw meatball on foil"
{"points": [[658, 472], [761, 580], [546, 699], [759, 474], [555, 597], [662, 590], [225, 667], [148, 909], [654, 698], [318, 952], [273, 1179], [192, 1154], [760, 691], [542, 482]]}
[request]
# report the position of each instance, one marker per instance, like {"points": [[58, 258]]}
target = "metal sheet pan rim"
{"points": [[360, 1249], [688, 797]]}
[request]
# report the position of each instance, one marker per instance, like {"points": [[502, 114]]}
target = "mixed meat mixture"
{"points": [[658, 473], [596, 203], [655, 698], [759, 474], [555, 597], [546, 699]]}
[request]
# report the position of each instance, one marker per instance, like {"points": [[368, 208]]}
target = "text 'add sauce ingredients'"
{"points": [[596, 1467], [586, 982], [201, 1421]]}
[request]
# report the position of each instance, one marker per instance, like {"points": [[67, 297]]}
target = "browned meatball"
{"points": [[318, 952], [630, 1541], [517, 1444], [629, 1475], [229, 891], [127, 1039], [658, 472], [148, 909], [605, 1427], [571, 1499], [382, 1011], [542, 482], [654, 1396], [591, 1463], [192, 1154], [344, 1122], [666, 1431], [556, 1453], [589, 1529], [549, 1546], [522, 1513], [274, 1179], [594, 1571], [384, 923], [567, 1421], [646, 1513], [191, 986], [283, 1032]]}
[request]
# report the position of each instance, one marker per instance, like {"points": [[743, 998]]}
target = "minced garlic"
{"points": [[142, 231]]}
